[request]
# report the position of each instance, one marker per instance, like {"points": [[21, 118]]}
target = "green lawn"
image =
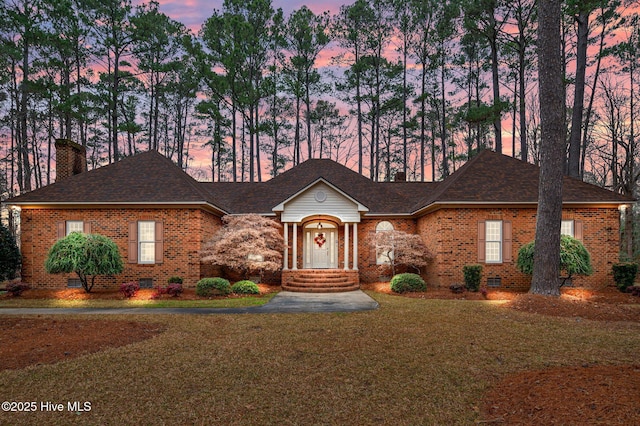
{"points": [[411, 362], [238, 302]]}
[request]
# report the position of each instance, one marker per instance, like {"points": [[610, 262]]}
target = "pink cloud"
{"points": [[193, 13]]}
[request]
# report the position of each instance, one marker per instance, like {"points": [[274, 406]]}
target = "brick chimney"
{"points": [[71, 158], [400, 177]]}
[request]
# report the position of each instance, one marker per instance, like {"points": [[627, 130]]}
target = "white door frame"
{"points": [[317, 249]]}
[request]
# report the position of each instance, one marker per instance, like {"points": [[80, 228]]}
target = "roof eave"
{"points": [[527, 204], [120, 204]]}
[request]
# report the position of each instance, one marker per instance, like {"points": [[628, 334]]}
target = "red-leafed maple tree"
{"points": [[401, 248], [246, 243]]}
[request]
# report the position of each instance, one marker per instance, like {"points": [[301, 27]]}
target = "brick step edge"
{"points": [[320, 289], [320, 285], [318, 279]]}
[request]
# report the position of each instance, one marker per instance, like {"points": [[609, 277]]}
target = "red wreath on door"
{"points": [[320, 240]]}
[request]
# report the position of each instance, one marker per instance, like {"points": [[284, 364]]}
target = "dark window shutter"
{"points": [[507, 245], [578, 230], [86, 227], [133, 242], [481, 241], [61, 230], [159, 243]]}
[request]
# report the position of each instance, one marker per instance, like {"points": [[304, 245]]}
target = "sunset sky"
{"points": [[193, 13]]}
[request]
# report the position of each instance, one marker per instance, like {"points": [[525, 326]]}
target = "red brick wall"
{"points": [[369, 271], [185, 230], [452, 235]]}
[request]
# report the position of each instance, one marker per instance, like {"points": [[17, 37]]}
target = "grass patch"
{"points": [[410, 362], [234, 302]]}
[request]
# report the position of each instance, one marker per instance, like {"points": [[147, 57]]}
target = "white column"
{"points": [[346, 246], [355, 246], [295, 246], [286, 246]]}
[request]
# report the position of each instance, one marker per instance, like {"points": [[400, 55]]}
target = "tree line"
{"points": [[385, 86]]}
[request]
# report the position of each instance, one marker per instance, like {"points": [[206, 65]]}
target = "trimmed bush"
{"points": [[174, 289], [9, 255], [472, 276], [88, 255], [159, 292], [16, 289], [245, 287], [210, 286], [402, 283], [624, 274], [574, 257], [175, 280], [129, 289]]}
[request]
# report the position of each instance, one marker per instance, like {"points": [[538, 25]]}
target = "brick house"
{"points": [[160, 218]]}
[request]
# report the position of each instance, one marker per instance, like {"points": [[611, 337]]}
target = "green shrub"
{"points": [[175, 280], [210, 286], [574, 257], [245, 287], [88, 255], [624, 274], [407, 282], [472, 275], [9, 255]]}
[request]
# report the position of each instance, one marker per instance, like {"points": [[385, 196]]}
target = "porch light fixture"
{"points": [[319, 225]]}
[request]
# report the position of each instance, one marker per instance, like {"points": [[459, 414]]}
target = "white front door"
{"points": [[321, 246], [320, 257]]}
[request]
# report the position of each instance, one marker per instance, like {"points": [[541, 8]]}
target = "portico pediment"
{"points": [[320, 198]]}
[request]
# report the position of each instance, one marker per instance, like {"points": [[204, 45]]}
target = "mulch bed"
{"points": [[584, 395], [34, 341], [142, 294]]}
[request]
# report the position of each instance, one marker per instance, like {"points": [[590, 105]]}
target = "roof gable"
{"points": [[146, 178], [496, 178], [320, 197], [265, 196]]}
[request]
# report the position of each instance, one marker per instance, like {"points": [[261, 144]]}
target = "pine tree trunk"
{"points": [[547, 242]]}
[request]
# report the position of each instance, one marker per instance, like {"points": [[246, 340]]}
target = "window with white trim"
{"points": [[383, 256], [74, 226], [146, 241], [567, 228], [493, 241]]}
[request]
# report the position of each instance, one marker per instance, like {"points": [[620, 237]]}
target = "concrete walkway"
{"points": [[283, 302]]}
